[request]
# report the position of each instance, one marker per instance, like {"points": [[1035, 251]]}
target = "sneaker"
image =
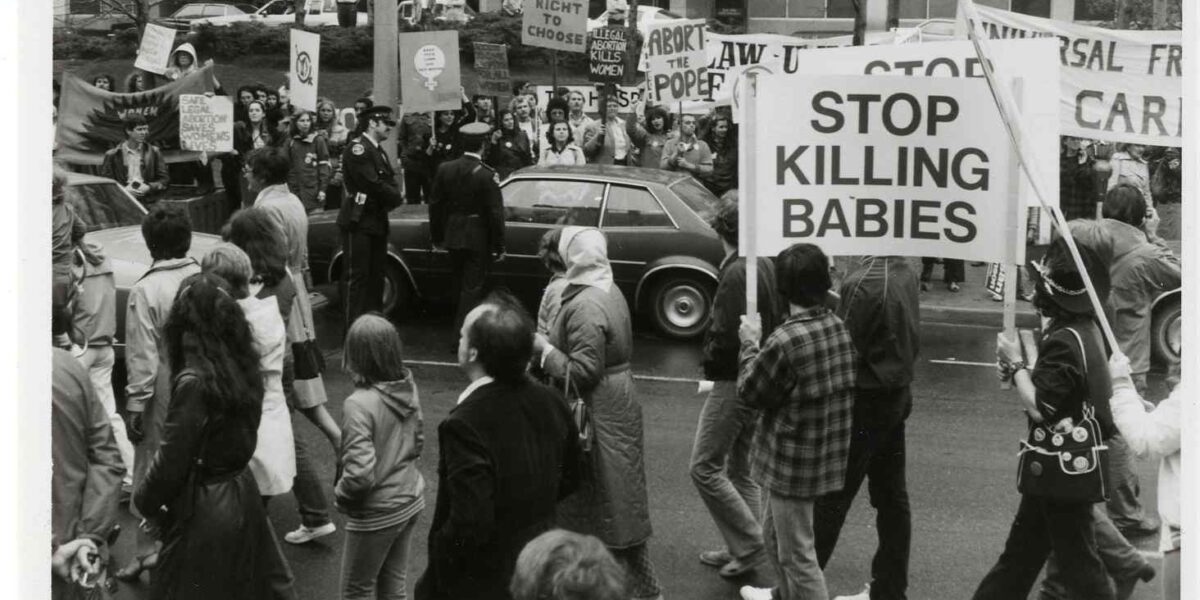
{"points": [[303, 535], [749, 592], [863, 595], [952, 286], [996, 297], [738, 567], [716, 558]]}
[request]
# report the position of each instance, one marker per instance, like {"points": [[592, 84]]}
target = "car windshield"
{"points": [[189, 10], [103, 206], [696, 197]]}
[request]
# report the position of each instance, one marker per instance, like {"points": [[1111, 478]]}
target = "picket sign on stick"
{"points": [[1013, 225], [1005, 104], [746, 174]]}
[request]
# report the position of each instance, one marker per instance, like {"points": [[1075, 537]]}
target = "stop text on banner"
{"points": [[555, 24], [879, 165]]}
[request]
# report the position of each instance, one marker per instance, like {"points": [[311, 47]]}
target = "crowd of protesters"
{"points": [[542, 489]]}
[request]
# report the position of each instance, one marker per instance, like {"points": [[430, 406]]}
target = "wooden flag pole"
{"points": [[1007, 114], [748, 218], [1012, 230], [554, 72]]}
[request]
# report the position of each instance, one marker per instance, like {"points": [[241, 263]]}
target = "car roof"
{"points": [[74, 178], [612, 173]]}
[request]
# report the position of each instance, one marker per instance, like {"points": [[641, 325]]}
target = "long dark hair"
{"points": [[255, 232], [654, 112], [710, 135], [207, 332]]}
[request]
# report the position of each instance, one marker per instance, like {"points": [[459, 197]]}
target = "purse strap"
{"points": [[1089, 411]]}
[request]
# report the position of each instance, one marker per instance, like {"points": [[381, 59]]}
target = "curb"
{"points": [[979, 317]]}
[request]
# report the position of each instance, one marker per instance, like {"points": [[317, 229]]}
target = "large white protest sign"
{"points": [[305, 66], [627, 97], [878, 165], [676, 61], [155, 49], [555, 24], [205, 123], [1118, 86]]}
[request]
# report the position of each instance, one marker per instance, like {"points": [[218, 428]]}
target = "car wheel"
{"points": [[1165, 332], [397, 292], [681, 305]]}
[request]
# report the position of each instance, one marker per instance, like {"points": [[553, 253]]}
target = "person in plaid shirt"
{"points": [[803, 381]]}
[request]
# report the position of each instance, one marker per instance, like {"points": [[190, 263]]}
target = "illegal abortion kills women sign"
{"points": [[879, 165]]}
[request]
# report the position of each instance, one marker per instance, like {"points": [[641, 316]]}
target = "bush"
{"points": [[75, 46]]}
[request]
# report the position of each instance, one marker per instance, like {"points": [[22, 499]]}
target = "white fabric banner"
{"points": [[1117, 85], [305, 66], [879, 165]]}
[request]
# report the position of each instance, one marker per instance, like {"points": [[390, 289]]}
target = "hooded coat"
{"points": [[592, 341], [382, 438], [174, 71]]}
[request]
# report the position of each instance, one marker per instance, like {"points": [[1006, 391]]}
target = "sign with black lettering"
{"points": [[606, 55], [676, 61], [626, 96], [491, 67], [879, 165], [555, 24], [205, 123], [1117, 85]]}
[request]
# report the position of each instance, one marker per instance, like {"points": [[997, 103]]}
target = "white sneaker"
{"points": [[863, 595], [303, 535], [749, 592]]}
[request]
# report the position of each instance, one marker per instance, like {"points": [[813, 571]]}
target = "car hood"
{"points": [[130, 259]]}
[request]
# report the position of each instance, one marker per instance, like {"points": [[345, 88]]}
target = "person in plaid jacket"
{"points": [[803, 381]]}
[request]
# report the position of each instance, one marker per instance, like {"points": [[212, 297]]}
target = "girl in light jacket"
{"points": [[381, 490], [560, 147], [309, 154]]}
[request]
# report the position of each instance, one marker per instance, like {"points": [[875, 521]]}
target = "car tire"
{"points": [[1165, 332], [680, 305], [397, 292]]}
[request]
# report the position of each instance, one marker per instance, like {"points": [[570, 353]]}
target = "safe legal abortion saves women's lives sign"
{"points": [[430, 79], [555, 24], [878, 165], [491, 67], [305, 66], [676, 61], [205, 123], [1117, 85]]}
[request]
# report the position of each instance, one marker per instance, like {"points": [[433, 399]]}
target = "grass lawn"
{"points": [[342, 86]]}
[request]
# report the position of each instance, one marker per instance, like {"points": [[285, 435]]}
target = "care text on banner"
{"points": [[430, 78], [205, 123], [879, 165], [1117, 85], [155, 49], [606, 54], [304, 67], [491, 68], [676, 61], [555, 24]]}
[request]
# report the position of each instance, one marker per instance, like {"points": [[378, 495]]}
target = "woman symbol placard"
{"points": [[429, 61]]}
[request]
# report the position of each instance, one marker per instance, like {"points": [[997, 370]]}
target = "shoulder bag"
{"points": [[1067, 467], [579, 411]]}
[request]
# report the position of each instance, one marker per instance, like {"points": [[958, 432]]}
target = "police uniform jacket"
{"points": [[368, 171], [466, 211]]}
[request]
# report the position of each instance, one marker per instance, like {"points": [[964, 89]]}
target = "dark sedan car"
{"points": [[664, 255]]}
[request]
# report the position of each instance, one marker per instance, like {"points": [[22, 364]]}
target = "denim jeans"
{"points": [[1123, 504], [375, 563], [311, 501], [877, 452], [720, 468], [789, 539], [1120, 558], [1042, 525]]}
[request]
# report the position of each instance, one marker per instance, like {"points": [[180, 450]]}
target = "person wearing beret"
{"points": [[466, 217], [371, 192]]}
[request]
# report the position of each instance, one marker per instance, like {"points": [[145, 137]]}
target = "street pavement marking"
{"points": [[965, 363], [335, 356]]}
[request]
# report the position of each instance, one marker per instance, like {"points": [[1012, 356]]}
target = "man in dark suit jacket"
{"points": [[466, 217], [371, 191], [508, 452]]}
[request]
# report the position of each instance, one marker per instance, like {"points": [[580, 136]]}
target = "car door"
{"points": [[277, 12], [639, 230], [532, 207]]}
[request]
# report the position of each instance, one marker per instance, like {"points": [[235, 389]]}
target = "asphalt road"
{"points": [[962, 439]]}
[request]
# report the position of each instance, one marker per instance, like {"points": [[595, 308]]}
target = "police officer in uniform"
{"points": [[466, 217], [371, 191]]}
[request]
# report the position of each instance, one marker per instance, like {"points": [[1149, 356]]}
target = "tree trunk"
{"points": [[1122, 16], [300, 7], [1160, 14]]}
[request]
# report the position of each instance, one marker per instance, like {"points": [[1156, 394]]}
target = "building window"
{"points": [[839, 9], [1089, 10], [1037, 8]]}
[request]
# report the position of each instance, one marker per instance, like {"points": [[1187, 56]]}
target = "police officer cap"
{"points": [[379, 112], [475, 130]]}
